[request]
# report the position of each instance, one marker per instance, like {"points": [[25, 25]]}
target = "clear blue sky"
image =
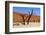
{"points": [[36, 11]]}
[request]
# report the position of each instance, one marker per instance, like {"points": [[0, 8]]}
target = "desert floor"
{"points": [[31, 24]]}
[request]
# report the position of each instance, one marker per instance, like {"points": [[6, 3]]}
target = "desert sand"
{"points": [[33, 22]]}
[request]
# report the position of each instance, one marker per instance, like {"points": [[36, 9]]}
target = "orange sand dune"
{"points": [[17, 17]]}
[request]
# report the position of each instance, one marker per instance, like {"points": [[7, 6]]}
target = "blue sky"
{"points": [[36, 11]]}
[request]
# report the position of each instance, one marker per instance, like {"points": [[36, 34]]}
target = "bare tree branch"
{"points": [[23, 19], [29, 16], [26, 18]]}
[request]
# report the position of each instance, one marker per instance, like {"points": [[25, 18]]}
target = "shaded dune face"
{"points": [[18, 18]]}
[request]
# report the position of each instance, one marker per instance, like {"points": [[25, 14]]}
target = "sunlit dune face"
{"points": [[17, 17]]}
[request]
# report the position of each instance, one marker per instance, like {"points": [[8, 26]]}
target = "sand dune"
{"points": [[33, 22], [18, 18]]}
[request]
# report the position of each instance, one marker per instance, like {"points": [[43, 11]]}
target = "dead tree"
{"points": [[29, 17], [23, 22], [26, 18]]}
